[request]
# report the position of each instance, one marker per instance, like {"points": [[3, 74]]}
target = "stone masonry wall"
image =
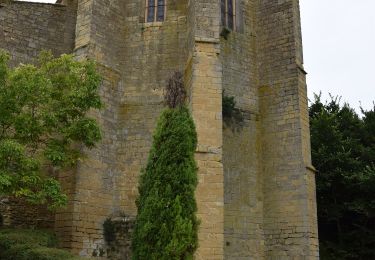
{"points": [[243, 180], [18, 213], [136, 59], [92, 186], [289, 202], [256, 191], [150, 54], [206, 106], [27, 28], [120, 247]]}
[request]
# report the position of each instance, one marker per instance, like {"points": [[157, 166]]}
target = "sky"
{"points": [[339, 49]]}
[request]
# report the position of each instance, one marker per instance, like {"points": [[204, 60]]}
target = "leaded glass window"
{"points": [[228, 14], [155, 10]]}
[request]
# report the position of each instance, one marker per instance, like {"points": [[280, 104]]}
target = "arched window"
{"points": [[155, 10], [228, 13]]}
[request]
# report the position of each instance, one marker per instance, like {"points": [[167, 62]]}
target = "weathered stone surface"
{"points": [[18, 213], [27, 28], [120, 247], [256, 191]]}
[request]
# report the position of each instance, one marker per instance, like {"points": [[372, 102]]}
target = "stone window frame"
{"points": [[155, 16], [225, 14]]}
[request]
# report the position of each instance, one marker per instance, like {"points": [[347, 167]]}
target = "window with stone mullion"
{"points": [[155, 11], [228, 13], [161, 10]]}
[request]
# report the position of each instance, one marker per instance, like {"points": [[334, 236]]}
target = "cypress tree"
{"points": [[166, 224]]}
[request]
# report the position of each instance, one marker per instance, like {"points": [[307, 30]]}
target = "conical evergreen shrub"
{"points": [[166, 225]]}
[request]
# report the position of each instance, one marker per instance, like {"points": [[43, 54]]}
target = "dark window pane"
{"points": [[151, 11], [230, 22], [230, 14], [223, 16], [161, 9], [230, 8]]}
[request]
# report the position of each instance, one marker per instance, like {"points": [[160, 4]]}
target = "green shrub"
{"points": [[44, 121], [27, 236], [229, 106], [166, 225], [109, 231], [24, 244], [231, 114], [45, 253]]}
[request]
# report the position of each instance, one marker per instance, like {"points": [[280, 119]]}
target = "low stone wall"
{"points": [[16, 212]]}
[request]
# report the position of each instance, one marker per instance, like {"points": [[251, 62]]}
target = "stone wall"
{"points": [[120, 247], [92, 186], [243, 179], [256, 191], [290, 225], [206, 106], [27, 28], [136, 60], [18, 213], [150, 54]]}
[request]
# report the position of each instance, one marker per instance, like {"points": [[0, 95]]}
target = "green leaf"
{"points": [[44, 122]]}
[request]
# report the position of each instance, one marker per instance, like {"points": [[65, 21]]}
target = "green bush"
{"points": [[109, 231], [24, 244], [229, 106], [44, 121], [27, 236], [343, 151], [166, 225], [231, 114]]}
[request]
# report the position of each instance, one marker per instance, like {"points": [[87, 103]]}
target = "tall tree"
{"points": [[343, 151], [44, 124], [166, 225]]}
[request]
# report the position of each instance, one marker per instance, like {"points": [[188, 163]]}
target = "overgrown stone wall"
{"points": [[136, 60], [92, 186], [256, 191], [25, 30]]}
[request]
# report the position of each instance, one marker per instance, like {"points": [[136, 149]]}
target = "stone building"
{"points": [[256, 192]]}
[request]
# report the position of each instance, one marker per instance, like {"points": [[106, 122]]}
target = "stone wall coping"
{"points": [[152, 24], [207, 40]]}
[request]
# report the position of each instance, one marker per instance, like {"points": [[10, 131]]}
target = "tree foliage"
{"points": [[44, 124], [166, 225], [27, 244], [343, 151]]}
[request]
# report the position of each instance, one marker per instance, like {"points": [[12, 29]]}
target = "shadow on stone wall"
{"points": [[118, 236]]}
